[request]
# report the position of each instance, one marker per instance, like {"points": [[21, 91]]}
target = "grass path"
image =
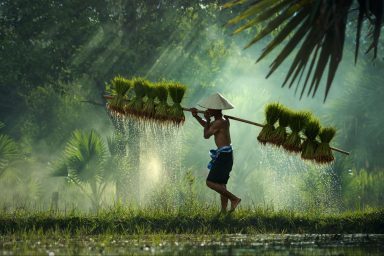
{"points": [[125, 221]]}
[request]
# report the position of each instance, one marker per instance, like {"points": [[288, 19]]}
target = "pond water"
{"points": [[236, 244]]}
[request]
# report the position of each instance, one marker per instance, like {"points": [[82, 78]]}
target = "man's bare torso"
{"points": [[222, 135]]}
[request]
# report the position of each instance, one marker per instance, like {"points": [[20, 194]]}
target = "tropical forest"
{"points": [[204, 127]]}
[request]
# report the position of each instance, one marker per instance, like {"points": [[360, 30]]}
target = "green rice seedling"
{"points": [[279, 135], [121, 85], [310, 143], [272, 112], [135, 106], [297, 123], [119, 88], [176, 91], [149, 105], [323, 153], [162, 108]]}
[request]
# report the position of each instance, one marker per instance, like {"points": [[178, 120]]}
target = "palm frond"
{"points": [[84, 156], [8, 152], [360, 20], [279, 21], [60, 170], [266, 14], [317, 29], [283, 34], [374, 10], [233, 3]]}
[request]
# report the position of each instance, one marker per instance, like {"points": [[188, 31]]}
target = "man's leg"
{"points": [[224, 192], [224, 200]]}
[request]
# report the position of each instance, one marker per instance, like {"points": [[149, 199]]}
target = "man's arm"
{"points": [[198, 118], [201, 120], [211, 128]]}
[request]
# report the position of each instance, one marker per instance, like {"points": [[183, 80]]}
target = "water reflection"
{"points": [[237, 244]]}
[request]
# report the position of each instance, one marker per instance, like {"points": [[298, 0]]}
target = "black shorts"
{"points": [[221, 168]]}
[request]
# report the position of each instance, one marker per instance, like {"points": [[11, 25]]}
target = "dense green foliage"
{"points": [[57, 58]]}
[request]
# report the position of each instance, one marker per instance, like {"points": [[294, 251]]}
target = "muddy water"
{"points": [[237, 244]]}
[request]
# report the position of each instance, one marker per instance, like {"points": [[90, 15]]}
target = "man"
{"points": [[222, 157]]}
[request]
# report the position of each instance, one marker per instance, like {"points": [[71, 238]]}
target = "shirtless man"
{"points": [[222, 157]]}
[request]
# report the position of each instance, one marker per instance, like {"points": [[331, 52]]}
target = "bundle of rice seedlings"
{"points": [[323, 153], [119, 88], [176, 91], [149, 105], [135, 106], [279, 135], [272, 112], [162, 107], [310, 143], [297, 122]]}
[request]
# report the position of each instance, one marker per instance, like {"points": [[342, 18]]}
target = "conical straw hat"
{"points": [[215, 101]]}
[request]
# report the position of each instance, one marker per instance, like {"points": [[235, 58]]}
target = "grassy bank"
{"points": [[125, 221]]}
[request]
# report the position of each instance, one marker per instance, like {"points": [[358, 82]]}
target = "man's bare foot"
{"points": [[234, 204]]}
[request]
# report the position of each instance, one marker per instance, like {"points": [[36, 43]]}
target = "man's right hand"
{"points": [[194, 112]]}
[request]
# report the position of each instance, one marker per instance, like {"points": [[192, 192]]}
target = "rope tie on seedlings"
{"points": [[135, 106], [272, 112], [177, 91], [148, 101], [297, 122], [162, 108], [310, 143], [323, 153], [120, 87], [279, 135], [149, 105]]}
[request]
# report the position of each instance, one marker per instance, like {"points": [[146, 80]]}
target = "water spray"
{"points": [[148, 101]]}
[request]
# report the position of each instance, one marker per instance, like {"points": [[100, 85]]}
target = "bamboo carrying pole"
{"points": [[241, 120], [260, 125]]}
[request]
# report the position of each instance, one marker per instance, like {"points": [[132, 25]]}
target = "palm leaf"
{"points": [[268, 13], [255, 8], [374, 8], [318, 29], [284, 33], [83, 159], [8, 152], [358, 30], [233, 3], [295, 40], [274, 24], [301, 58], [60, 170]]}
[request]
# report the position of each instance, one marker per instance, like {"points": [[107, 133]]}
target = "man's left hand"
{"points": [[207, 116], [194, 112]]}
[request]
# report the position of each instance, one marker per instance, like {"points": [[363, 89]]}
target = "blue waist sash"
{"points": [[214, 154]]}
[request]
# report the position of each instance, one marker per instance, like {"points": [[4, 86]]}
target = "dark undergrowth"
{"points": [[248, 221]]}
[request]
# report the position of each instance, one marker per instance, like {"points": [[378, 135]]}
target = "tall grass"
{"points": [[201, 220]]}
